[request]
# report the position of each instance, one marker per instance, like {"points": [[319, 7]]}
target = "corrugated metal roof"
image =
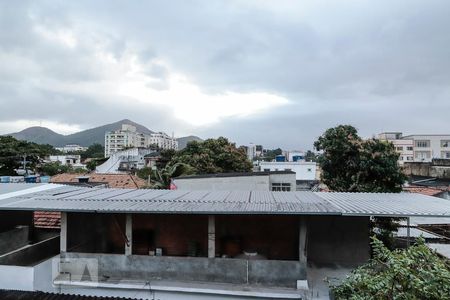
{"points": [[388, 204], [69, 198], [15, 187]]}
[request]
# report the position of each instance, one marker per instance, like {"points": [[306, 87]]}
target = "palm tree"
{"points": [[161, 179]]}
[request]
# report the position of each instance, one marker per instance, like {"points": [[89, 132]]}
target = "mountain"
{"points": [[97, 134], [42, 135], [182, 141]]}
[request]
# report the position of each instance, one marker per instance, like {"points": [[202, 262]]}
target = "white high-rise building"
{"points": [[128, 137], [163, 141]]}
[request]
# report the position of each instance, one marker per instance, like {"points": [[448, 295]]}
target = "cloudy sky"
{"points": [[276, 73]]}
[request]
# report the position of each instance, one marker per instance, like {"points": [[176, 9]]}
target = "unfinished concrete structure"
{"points": [[206, 244]]}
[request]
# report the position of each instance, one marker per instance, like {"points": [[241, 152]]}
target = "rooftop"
{"points": [[234, 174], [81, 199], [112, 180]]}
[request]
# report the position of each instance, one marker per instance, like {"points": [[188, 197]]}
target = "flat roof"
{"points": [[110, 200], [234, 174]]}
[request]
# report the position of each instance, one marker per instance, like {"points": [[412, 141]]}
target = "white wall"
{"points": [[303, 170], [237, 183], [16, 278]]}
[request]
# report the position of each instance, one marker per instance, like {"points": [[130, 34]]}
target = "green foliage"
{"points": [[350, 164], [93, 151], [213, 156], [53, 168], [411, 274], [144, 173], [93, 163], [166, 156], [13, 151], [160, 179], [310, 156], [270, 155]]}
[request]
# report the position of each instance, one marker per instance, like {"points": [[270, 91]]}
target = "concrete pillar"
{"points": [[63, 235], [303, 231], [129, 234], [211, 237]]}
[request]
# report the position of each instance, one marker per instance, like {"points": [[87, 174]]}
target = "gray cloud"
{"points": [[378, 65]]}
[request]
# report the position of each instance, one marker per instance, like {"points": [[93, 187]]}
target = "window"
{"points": [[409, 148], [445, 154], [423, 143], [309, 170], [422, 155], [399, 148], [281, 187], [445, 143], [266, 170], [409, 158]]}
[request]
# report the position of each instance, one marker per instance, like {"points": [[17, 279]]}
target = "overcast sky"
{"points": [[276, 73]]}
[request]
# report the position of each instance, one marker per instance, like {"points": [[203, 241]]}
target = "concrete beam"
{"points": [[303, 232], [211, 237], [63, 236], [129, 234]]}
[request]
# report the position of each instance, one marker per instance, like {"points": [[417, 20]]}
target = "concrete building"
{"points": [[163, 141], [124, 161], [160, 244], [128, 137], [73, 160], [418, 148], [71, 148], [253, 181], [303, 170], [427, 147]]}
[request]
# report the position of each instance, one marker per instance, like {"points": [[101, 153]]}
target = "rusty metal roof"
{"points": [[81, 199]]}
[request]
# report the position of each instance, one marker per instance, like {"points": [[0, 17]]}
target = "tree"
{"points": [[271, 154], [166, 156], [13, 152], [414, 273], [93, 151], [310, 156], [351, 164], [53, 168], [161, 179], [213, 156]]}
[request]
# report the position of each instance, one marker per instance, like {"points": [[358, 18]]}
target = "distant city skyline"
{"points": [[276, 73]]}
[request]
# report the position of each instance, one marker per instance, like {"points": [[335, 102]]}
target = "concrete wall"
{"points": [[14, 239], [31, 254], [303, 170], [427, 169], [238, 183], [220, 270], [338, 240], [16, 278]]}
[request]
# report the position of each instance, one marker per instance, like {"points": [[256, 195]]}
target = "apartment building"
{"points": [[163, 141], [418, 148], [129, 137]]}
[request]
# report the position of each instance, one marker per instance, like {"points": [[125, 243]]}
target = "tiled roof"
{"points": [[22, 295], [47, 219], [429, 191], [120, 181]]}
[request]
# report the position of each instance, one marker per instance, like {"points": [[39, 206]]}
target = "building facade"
{"points": [[303, 170], [253, 181], [71, 148], [129, 137], [67, 160], [418, 148]]}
